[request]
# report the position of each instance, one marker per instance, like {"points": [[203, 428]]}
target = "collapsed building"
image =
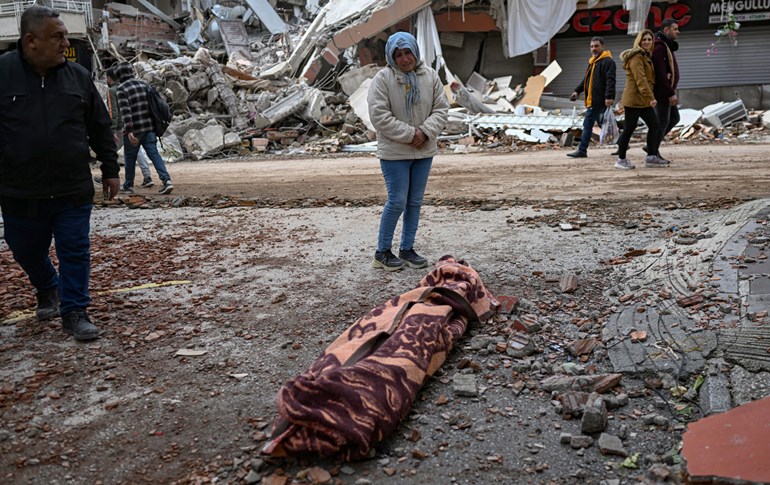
{"points": [[259, 75]]}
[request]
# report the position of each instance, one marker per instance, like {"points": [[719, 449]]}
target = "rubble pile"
{"points": [[276, 89]]}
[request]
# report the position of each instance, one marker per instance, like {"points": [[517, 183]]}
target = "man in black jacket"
{"points": [[599, 86], [50, 112]]}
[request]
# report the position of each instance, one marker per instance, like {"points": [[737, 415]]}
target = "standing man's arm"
{"points": [[609, 93], [102, 141]]}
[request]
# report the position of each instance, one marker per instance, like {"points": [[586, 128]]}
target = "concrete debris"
{"points": [[252, 70]]}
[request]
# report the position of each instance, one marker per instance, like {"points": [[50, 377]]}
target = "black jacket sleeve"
{"points": [[100, 135], [609, 77]]}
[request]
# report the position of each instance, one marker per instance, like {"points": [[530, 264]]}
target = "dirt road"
{"points": [[256, 293], [697, 171]]}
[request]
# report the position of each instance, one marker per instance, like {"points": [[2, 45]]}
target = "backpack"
{"points": [[159, 111]]}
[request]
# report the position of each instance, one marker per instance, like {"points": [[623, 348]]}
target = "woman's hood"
{"points": [[627, 55]]}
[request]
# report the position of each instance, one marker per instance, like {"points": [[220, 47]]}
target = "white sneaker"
{"points": [[623, 164]]}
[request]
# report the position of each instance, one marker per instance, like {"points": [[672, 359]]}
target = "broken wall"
{"points": [[128, 26]]}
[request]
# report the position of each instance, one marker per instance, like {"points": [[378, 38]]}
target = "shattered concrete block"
{"points": [[572, 403], [208, 141], [179, 94], [594, 415], [464, 385], [611, 445], [352, 79], [197, 82], [569, 283], [259, 144], [581, 441], [520, 345]]}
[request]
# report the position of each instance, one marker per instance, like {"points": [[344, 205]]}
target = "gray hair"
{"points": [[598, 39], [34, 17]]}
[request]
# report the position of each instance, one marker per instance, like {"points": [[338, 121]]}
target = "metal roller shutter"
{"points": [[747, 63]]}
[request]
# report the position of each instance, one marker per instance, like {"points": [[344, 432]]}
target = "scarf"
{"points": [[404, 40], [588, 88]]}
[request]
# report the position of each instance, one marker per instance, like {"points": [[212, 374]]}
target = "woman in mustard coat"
{"points": [[639, 101]]}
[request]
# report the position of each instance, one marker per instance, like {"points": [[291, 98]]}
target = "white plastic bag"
{"points": [[610, 131]]}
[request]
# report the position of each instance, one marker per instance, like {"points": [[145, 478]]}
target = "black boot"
{"points": [[47, 304], [77, 324]]}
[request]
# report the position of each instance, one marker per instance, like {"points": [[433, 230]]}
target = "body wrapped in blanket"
{"points": [[356, 393]]}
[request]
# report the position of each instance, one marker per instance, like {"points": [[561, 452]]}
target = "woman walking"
{"points": [[639, 100], [408, 108]]}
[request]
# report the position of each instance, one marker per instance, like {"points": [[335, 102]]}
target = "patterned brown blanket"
{"points": [[356, 393]]}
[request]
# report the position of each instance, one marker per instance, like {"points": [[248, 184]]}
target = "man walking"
{"points": [[599, 87], [117, 126], [137, 127], [666, 78], [50, 112]]}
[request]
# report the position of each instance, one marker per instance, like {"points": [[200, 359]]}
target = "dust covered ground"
{"points": [[259, 264]]}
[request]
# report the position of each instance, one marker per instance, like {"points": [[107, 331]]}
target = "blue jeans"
{"points": [[405, 181], [29, 238], [592, 116], [149, 142]]}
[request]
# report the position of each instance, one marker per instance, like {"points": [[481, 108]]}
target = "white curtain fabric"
{"points": [[532, 24], [637, 14], [428, 42]]}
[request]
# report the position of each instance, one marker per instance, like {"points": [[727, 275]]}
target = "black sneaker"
{"points": [[412, 259], [97, 180], [577, 154], [387, 260], [148, 183], [78, 325], [167, 188], [126, 190], [47, 304]]}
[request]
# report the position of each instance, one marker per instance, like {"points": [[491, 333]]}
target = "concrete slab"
{"points": [[708, 267], [748, 386]]}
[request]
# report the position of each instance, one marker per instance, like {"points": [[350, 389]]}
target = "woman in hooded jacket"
{"points": [[408, 109], [639, 100]]}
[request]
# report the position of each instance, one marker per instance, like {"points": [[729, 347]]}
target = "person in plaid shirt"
{"points": [[137, 127]]}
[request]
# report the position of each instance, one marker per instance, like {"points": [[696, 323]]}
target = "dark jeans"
{"points": [[405, 181], [592, 116], [632, 116], [668, 117], [29, 237], [149, 142]]}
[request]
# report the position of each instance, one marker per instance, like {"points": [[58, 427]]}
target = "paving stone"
{"points": [[714, 394]]}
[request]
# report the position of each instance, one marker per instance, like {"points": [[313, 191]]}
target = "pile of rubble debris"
{"points": [[239, 95]]}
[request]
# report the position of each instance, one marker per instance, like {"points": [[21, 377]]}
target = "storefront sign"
{"points": [[690, 14], [744, 10]]}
